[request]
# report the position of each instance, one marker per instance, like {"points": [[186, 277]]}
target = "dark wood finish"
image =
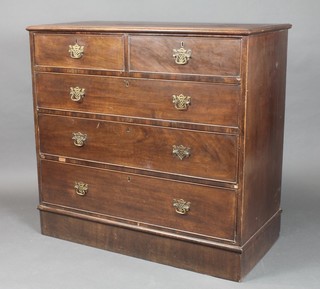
{"points": [[210, 56], [264, 129], [210, 103], [132, 74], [154, 27], [146, 121], [259, 244], [212, 259], [234, 127], [100, 51], [213, 156], [128, 196], [183, 254]]}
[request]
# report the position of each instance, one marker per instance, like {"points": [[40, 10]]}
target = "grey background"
{"points": [[30, 260]]}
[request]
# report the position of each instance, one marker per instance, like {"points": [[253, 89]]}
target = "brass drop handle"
{"points": [[76, 51], [181, 102], [77, 94], [181, 55], [81, 188], [181, 151], [79, 138], [181, 206]]}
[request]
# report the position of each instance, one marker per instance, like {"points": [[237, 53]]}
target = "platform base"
{"points": [[208, 259]]}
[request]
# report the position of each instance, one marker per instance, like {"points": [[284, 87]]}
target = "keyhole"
{"points": [[182, 44], [126, 82], [129, 179]]}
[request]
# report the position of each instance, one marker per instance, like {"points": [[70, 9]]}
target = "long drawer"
{"points": [[160, 99], [141, 199], [185, 55], [183, 152], [104, 52]]}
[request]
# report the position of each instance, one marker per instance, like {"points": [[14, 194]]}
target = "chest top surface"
{"points": [[205, 28]]}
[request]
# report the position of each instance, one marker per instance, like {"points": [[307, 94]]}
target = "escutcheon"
{"points": [[77, 94], [181, 55], [181, 102], [79, 138], [81, 188], [76, 51], [181, 206], [181, 151]]}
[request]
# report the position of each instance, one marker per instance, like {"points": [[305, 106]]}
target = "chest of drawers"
{"points": [[162, 142]]}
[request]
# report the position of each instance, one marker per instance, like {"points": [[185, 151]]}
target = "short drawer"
{"points": [[184, 152], [79, 51], [159, 99], [148, 201], [185, 55]]}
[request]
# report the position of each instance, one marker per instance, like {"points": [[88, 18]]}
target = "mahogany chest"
{"points": [[162, 141]]}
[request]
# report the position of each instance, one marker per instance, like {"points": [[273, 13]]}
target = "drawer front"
{"points": [[160, 99], [185, 55], [80, 51], [146, 200], [184, 152]]}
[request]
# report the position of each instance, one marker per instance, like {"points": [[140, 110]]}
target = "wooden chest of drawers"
{"points": [[162, 142]]}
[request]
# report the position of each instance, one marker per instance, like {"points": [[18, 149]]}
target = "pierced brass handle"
{"points": [[181, 102], [79, 139], [77, 94], [181, 55], [81, 188], [181, 151], [181, 206], [76, 51]]}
